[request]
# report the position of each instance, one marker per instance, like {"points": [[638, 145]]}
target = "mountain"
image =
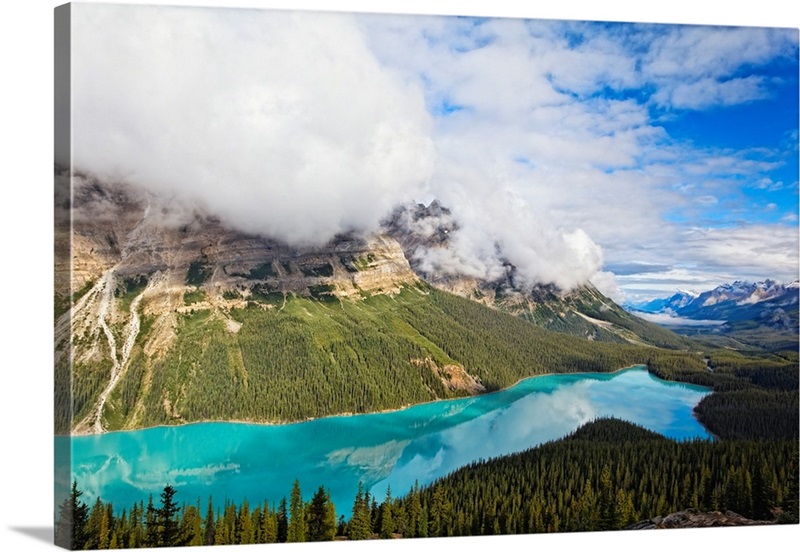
{"points": [[167, 315], [763, 314], [769, 302], [668, 304], [583, 312]]}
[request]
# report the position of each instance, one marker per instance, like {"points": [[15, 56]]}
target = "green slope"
{"points": [[587, 313], [310, 358]]}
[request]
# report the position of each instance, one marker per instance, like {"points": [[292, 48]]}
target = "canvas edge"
{"points": [[62, 256]]}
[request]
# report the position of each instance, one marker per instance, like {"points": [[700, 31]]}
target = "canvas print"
{"points": [[341, 276]]}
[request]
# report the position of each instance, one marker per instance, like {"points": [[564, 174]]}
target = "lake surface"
{"points": [[423, 442]]}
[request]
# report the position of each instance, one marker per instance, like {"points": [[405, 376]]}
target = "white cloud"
{"points": [[282, 123], [669, 320], [706, 200], [606, 283], [710, 92], [706, 258], [763, 251], [696, 67]]}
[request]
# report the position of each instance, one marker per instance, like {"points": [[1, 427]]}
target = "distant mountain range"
{"points": [[730, 309]]}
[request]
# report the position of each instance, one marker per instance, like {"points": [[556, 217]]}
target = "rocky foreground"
{"points": [[690, 518]]}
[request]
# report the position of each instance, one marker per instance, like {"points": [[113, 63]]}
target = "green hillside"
{"points": [[585, 312], [305, 358]]}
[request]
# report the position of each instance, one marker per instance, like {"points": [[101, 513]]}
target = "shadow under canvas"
{"points": [[44, 534]]}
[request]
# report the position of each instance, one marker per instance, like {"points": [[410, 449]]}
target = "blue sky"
{"points": [[643, 158]]}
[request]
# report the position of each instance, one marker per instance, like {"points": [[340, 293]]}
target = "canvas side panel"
{"points": [[62, 225]]}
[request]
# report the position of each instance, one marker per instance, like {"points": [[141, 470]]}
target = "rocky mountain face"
{"points": [[139, 236], [130, 256], [127, 242]]}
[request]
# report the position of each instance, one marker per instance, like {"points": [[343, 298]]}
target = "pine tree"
{"points": [[330, 519], [762, 497], [321, 517], [121, 530], [191, 525], [257, 520], [790, 501], [93, 526], [136, 533], [587, 509], [210, 529], [400, 517], [269, 525], [606, 502], [73, 516], [169, 533], [414, 512], [387, 519], [106, 527], [222, 529], [151, 533], [422, 530], [283, 521], [297, 522], [626, 513], [359, 526], [435, 528], [244, 525], [374, 514], [707, 488]]}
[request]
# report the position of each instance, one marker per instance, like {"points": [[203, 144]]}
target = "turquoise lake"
{"points": [[423, 442]]}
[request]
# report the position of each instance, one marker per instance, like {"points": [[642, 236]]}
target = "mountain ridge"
{"points": [[769, 303]]}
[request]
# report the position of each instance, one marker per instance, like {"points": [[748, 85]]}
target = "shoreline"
{"points": [[383, 411]]}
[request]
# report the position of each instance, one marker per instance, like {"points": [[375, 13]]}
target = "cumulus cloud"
{"points": [[288, 125], [281, 123]]}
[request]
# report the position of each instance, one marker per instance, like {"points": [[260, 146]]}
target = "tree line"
{"points": [[98, 527]]}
